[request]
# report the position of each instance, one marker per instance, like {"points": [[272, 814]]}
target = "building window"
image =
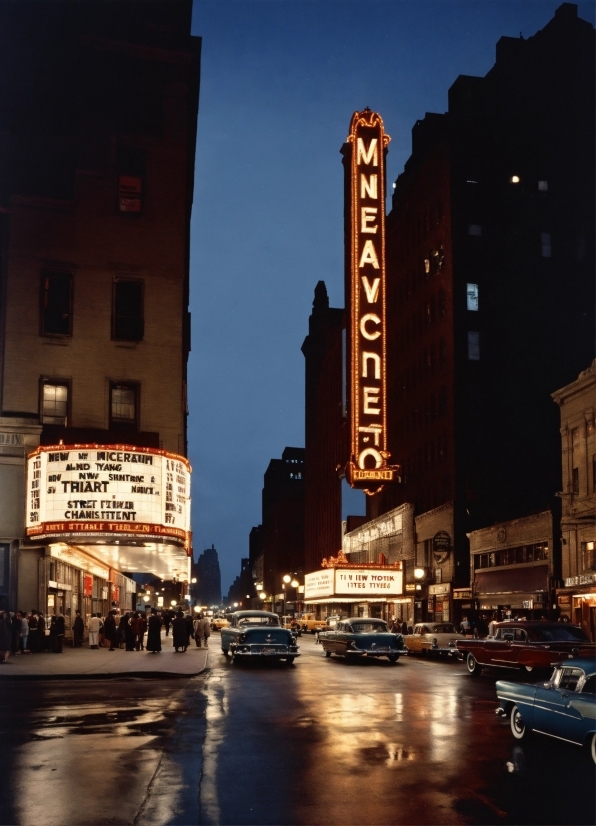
{"points": [[56, 304], [474, 229], [127, 310], [545, 242], [131, 179], [575, 480], [123, 404], [473, 346], [472, 297], [54, 402], [589, 556]]}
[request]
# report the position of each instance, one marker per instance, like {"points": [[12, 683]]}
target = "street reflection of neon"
{"points": [[215, 712], [399, 707], [443, 725]]}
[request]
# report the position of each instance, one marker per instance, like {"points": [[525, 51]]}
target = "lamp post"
{"points": [[288, 579]]}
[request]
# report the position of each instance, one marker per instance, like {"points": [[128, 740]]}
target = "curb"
{"points": [[120, 675]]}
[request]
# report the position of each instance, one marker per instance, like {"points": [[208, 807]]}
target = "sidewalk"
{"points": [[100, 664]]}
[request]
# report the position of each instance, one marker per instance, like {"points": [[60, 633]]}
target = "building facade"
{"points": [[95, 332], [577, 596], [207, 588]]}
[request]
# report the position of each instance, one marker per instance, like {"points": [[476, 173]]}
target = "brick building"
{"points": [[98, 125]]}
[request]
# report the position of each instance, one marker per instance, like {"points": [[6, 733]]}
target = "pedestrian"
{"points": [[203, 632], [404, 628], [465, 627], [122, 626], [32, 619], [57, 628], [481, 630], [129, 633], [134, 626], [15, 622], [24, 634], [142, 632], [5, 636], [111, 631], [179, 633], [189, 628], [154, 632], [94, 625], [41, 632], [102, 632], [166, 621], [78, 630]]}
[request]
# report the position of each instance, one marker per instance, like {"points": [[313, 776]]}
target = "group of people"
{"points": [[400, 626], [23, 632], [29, 632]]}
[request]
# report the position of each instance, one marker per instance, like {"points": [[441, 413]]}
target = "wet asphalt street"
{"points": [[319, 742]]}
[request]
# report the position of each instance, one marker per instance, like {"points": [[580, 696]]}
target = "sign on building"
{"points": [[353, 582], [112, 489], [365, 149]]}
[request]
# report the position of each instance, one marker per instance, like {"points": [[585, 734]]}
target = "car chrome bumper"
{"points": [[376, 652], [263, 651]]}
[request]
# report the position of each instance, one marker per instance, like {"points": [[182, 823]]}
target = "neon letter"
{"points": [[366, 157], [368, 188], [375, 320], [369, 256], [371, 396], [370, 451], [368, 214], [371, 290], [376, 361]]}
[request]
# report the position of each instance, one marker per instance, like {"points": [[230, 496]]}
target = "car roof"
{"points": [[363, 619], [241, 614], [531, 624]]}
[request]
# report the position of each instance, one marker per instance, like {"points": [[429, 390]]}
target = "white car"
{"points": [[434, 638]]}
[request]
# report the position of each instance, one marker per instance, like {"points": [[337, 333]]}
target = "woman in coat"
{"points": [[78, 630], [179, 632], [154, 632], [111, 631]]}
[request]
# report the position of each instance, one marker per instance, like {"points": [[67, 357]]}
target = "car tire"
{"points": [[290, 660], [225, 651], [393, 658], [518, 727], [592, 745], [327, 653], [474, 668]]}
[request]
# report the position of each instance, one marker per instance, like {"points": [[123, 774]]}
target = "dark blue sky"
{"points": [[280, 80]]}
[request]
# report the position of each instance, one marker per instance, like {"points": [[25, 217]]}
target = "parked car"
{"points": [[526, 644], [434, 638], [309, 624], [330, 624], [564, 707], [217, 623], [359, 637], [292, 624], [258, 634]]}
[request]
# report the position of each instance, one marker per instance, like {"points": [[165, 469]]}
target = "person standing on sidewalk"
{"points": [[179, 632], [41, 632], [24, 633], [32, 619], [94, 626], [78, 630], [167, 619], [111, 631], [142, 632], [203, 632], [154, 632]]}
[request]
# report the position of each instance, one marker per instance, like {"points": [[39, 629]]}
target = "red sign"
{"points": [[87, 585], [365, 149]]}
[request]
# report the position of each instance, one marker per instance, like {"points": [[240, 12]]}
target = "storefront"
{"points": [[577, 601], [352, 590], [95, 514]]}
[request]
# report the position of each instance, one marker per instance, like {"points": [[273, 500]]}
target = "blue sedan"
{"points": [[564, 707]]}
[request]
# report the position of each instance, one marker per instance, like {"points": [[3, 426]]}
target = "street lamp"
{"points": [[263, 596]]}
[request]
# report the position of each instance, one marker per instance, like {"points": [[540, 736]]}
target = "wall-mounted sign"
{"points": [[462, 593], [108, 489], [364, 159], [442, 588], [361, 582], [441, 546]]}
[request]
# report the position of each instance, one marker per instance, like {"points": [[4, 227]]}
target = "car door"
{"points": [[495, 650], [556, 710], [414, 640]]}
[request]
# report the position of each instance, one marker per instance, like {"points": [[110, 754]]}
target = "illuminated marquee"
{"points": [[365, 153], [108, 489]]}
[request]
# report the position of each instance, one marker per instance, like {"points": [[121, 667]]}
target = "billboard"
{"points": [[107, 489], [354, 582], [364, 153]]}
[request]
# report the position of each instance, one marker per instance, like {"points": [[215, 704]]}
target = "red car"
{"points": [[527, 645]]}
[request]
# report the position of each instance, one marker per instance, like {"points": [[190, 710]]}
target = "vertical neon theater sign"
{"points": [[364, 160]]}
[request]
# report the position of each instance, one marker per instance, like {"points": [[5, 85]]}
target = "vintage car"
{"points": [[430, 638], [254, 634], [308, 623], [330, 624], [526, 644], [564, 707], [217, 623], [360, 637]]}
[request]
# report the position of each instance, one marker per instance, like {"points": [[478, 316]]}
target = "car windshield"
{"points": [[558, 633], [445, 628], [244, 621], [368, 627]]}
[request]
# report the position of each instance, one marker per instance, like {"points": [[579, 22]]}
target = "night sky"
{"points": [[280, 80]]}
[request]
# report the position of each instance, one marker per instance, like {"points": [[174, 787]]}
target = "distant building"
{"points": [[207, 589], [282, 526], [325, 431], [98, 126], [577, 597]]}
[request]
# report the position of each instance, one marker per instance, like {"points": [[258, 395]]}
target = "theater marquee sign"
{"points": [[111, 489], [364, 153], [350, 581]]}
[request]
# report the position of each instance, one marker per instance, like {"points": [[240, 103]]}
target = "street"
{"points": [[319, 742]]}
